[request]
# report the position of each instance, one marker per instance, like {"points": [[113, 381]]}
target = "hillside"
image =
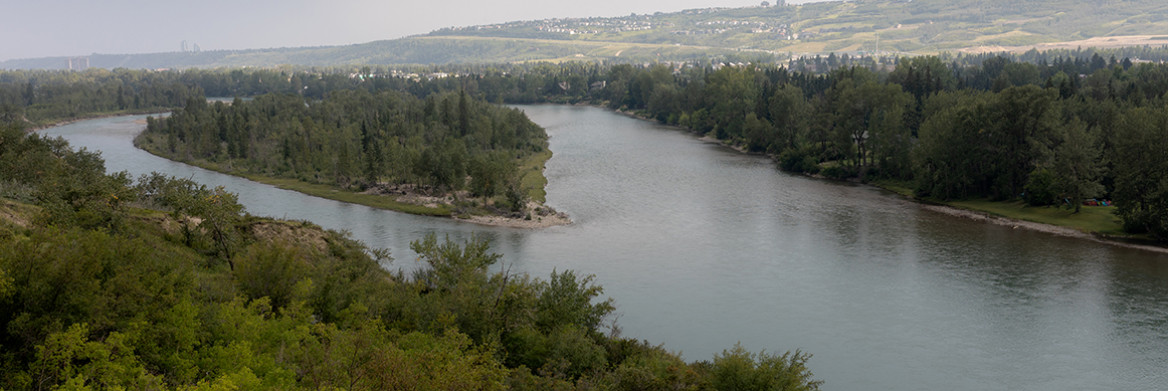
{"points": [[924, 26], [773, 32]]}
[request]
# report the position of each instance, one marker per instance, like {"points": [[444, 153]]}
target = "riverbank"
{"points": [[457, 206], [1125, 242], [539, 216], [55, 123], [1094, 223], [702, 137]]}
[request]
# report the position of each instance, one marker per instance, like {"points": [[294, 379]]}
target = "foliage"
{"points": [[1041, 188], [200, 211], [1141, 191], [70, 185], [355, 139], [43, 97], [738, 369]]}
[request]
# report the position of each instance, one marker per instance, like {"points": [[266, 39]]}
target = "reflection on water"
{"points": [[703, 247]]}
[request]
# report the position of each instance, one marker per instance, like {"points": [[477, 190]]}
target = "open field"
{"points": [[1095, 42]]}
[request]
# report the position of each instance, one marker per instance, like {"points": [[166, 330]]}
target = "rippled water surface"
{"points": [[702, 247]]}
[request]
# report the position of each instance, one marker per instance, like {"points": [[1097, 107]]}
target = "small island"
{"points": [[445, 154]]}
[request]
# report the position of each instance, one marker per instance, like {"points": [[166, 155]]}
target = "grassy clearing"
{"points": [[15, 215], [532, 180], [333, 193], [323, 191], [531, 175], [903, 188], [1092, 219]]}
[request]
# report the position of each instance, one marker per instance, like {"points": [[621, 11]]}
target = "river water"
{"points": [[703, 247]]}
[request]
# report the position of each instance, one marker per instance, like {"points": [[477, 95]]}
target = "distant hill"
{"points": [[772, 32]]}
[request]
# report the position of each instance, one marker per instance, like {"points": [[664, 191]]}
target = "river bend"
{"points": [[703, 247]]}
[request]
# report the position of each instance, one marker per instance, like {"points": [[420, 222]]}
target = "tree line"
{"points": [[43, 97]]}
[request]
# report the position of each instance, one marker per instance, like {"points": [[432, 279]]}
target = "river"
{"points": [[702, 247]]}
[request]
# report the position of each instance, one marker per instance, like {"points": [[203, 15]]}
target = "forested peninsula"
{"points": [[418, 153]]}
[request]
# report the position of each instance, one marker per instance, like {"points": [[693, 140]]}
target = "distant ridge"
{"points": [[897, 27]]}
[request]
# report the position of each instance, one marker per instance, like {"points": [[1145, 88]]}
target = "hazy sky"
{"points": [[42, 28]]}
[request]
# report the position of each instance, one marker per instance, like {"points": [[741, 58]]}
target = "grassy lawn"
{"points": [[903, 188], [531, 179], [1098, 219], [333, 193], [329, 192], [531, 175], [1091, 219]]}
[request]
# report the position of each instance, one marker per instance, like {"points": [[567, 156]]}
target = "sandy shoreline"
{"points": [[536, 222], [738, 148], [541, 216], [1039, 227]]}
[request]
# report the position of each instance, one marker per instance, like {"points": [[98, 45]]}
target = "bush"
{"points": [[270, 270], [836, 172], [795, 160], [740, 370], [1041, 189]]}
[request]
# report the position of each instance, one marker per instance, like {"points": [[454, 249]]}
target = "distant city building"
{"points": [[78, 63]]}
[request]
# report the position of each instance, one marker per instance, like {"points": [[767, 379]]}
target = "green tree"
{"points": [[200, 211], [71, 359], [1021, 127], [568, 300], [1141, 193], [270, 270], [490, 174], [1077, 164], [737, 369], [788, 111], [868, 122], [948, 161]]}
